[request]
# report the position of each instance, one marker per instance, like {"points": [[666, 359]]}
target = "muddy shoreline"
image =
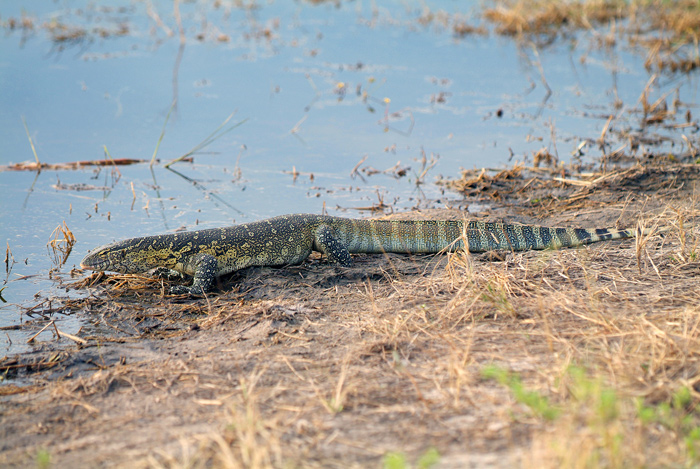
{"points": [[318, 365]]}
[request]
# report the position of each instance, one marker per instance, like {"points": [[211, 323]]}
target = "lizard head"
{"points": [[127, 257]]}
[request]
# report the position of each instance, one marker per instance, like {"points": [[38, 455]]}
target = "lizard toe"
{"points": [[183, 290]]}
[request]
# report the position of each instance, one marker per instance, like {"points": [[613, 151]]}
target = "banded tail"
{"points": [[429, 236]]}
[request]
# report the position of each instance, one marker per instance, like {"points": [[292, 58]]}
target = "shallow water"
{"points": [[319, 88]]}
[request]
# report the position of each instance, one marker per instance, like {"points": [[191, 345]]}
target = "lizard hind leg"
{"points": [[327, 243], [205, 269]]}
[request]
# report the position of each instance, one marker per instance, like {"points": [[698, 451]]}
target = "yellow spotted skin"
{"points": [[289, 239]]}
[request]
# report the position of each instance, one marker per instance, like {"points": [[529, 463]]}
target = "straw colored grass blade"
{"points": [[31, 142], [210, 138]]}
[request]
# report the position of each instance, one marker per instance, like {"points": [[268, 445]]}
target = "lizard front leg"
{"points": [[206, 267], [327, 243]]}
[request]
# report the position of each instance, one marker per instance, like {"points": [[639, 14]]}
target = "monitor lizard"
{"points": [[289, 239]]}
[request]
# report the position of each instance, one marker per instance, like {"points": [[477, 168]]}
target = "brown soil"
{"points": [[322, 366]]}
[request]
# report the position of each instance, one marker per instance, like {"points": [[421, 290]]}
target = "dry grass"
{"points": [[398, 361], [668, 32], [61, 244], [541, 17], [598, 352]]}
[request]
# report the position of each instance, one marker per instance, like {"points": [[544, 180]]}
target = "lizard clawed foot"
{"points": [[167, 274], [195, 292]]}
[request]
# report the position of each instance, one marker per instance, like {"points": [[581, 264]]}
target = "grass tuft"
{"points": [[538, 403], [43, 459], [61, 244], [399, 460]]}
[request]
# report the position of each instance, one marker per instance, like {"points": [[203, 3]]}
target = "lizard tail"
{"points": [[483, 237]]}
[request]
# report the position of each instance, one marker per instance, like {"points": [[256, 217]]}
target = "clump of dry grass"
{"points": [[538, 17], [249, 440], [668, 31], [61, 243]]}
